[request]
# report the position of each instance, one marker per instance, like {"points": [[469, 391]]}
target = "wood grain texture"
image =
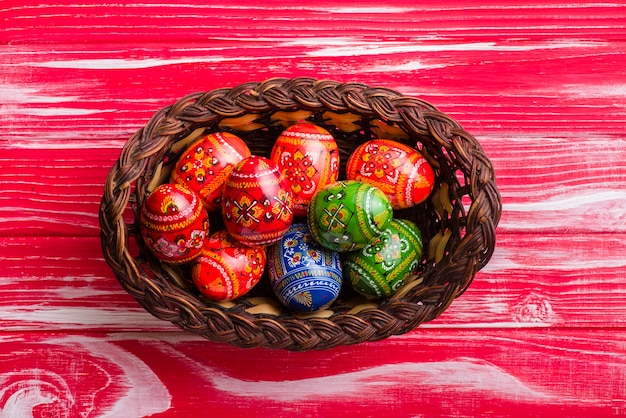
{"points": [[552, 280], [542, 86], [448, 373]]}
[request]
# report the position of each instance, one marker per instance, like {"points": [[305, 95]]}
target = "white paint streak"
{"points": [[11, 94], [488, 325], [51, 111], [415, 65], [141, 382], [564, 259], [608, 90], [41, 221], [80, 316], [369, 10], [69, 292], [125, 64], [62, 292], [465, 374], [23, 390], [144, 394], [580, 200], [71, 140], [568, 223], [351, 47], [456, 375], [29, 101]]}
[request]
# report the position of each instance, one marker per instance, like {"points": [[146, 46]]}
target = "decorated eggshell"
{"points": [[401, 172], [308, 157], [207, 163], [347, 215], [173, 223], [305, 276], [227, 269], [379, 269], [257, 206]]}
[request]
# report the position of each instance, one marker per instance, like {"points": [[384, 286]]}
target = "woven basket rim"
{"points": [[468, 208]]}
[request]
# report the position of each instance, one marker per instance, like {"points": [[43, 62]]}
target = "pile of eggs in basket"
{"points": [[289, 215]]}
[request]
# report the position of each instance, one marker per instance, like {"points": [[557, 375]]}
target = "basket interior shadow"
{"points": [[458, 221]]}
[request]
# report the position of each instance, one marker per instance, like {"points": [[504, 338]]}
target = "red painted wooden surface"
{"points": [[541, 330]]}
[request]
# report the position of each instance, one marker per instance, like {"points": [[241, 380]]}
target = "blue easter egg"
{"points": [[305, 276]]}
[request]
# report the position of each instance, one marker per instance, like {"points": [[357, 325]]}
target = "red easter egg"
{"points": [[227, 268], [257, 205], [206, 164], [398, 170], [173, 223], [308, 157]]}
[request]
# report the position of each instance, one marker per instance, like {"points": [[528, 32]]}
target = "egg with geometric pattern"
{"points": [[399, 171], [206, 164], [347, 215], [227, 269], [379, 269], [257, 205], [308, 157], [173, 223], [305, 276]]}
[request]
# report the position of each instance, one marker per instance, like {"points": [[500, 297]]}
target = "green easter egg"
{"points": [[379, 269], [348, 215]]}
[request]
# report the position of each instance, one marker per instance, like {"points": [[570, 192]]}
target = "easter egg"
{"points": [[173, 223], [308, 157], [206, 164], [227, 269], [305, 276], [379, 269], [347, 215], [401, 172], [257, 206]]}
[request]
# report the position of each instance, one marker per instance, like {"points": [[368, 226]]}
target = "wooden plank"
{"points": [[63, 283], [572, 183], [52, 191], [571, 280], [550, 185], [35, 22], [428, 373], [499, 69], [564, 280], [117, 88]]}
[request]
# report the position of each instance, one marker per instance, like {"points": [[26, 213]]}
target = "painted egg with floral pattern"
{"points": [[347, 215], [174, 223], [257, 205], [206, 164], [308, 157], [227, 269], [305, 276], [379, 269], [401, 172]]}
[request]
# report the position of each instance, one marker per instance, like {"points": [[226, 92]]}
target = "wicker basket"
{"points": [[458, 221]]}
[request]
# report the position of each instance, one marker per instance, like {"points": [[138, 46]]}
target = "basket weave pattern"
{"points": [[458, 221]]}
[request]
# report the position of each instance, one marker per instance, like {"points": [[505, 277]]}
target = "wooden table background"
{"points": [[541, 331]]}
